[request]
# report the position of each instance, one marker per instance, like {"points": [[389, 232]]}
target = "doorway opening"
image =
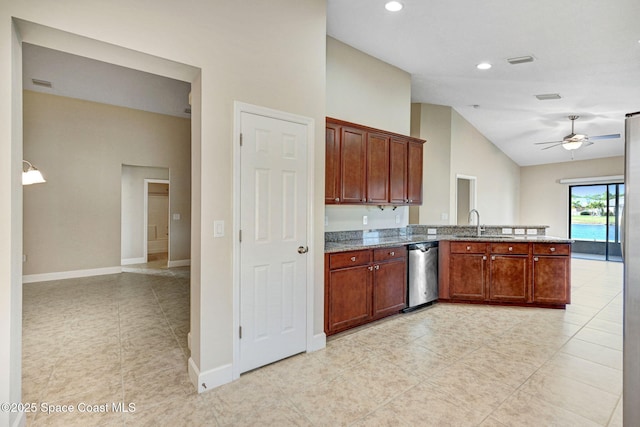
{"points": [[594, 220], [157, 222], [465, 197]]}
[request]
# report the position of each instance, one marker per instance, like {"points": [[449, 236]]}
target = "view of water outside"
{"points": [[590, 210]]}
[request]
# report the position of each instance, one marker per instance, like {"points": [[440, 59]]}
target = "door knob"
{"points": [[303, 249]]}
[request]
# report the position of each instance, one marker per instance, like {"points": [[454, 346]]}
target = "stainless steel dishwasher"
{"points": [[423, 274]]}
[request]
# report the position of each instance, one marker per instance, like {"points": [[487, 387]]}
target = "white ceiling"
{"points": [[83, 78], [588, 51]]}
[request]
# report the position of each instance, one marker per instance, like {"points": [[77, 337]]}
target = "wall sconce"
{"points": [[32, 175]]}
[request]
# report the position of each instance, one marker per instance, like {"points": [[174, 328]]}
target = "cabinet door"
{"points": [[467, 274], [389, 287], [377, 168], [398, 171], [332, 164], [551, 280], [414, 173], [353, 172], [349, 297], [509, 278]]}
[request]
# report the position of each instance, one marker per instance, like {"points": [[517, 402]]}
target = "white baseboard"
{"points": [[318, 342], [205, 381], [129, 261], [20, 421], [32, 278], [179, 263]]}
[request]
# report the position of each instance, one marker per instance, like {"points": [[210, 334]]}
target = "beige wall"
{"points": [[433, 123], [81, 146], [454, 147], [498, 177], [265, 53], [364, 90], [545, 201]]}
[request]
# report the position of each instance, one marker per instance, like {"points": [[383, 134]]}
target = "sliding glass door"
{"points": [[594, 221]]}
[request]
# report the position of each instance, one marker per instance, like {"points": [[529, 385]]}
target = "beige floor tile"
{"points": [[605, 326], [415, 358], [508, 370], [189, 410], [590, 402], [596, 336], [525, 410], [584, 371], [594, 352], [282, 414], [147, 391], [382, 417], [492, 422]]}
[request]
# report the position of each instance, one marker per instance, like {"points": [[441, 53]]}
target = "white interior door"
{"points": [[273, 223]]}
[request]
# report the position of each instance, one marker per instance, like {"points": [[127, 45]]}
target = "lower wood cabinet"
{"points": [[362, 286], [505, 272]]}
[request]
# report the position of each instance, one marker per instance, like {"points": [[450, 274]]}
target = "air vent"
{"points": [[520, 60], [42, 83], [547, 96], [187, 110]]}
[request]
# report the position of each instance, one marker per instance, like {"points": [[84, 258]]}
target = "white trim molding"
{"points": [[611, 179], [208, 380], [179, 263], [60, 275], [130, 261]]}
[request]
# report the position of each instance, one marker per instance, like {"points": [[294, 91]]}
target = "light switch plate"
{"points": [[365, 220], [176, 217], [397, 219], [507, 230], [218, 228], [519, 231], [532, 231], [432, 231]]}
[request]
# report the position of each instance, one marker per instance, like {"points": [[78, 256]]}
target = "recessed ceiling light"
{"points": [[483, 66], [520, 60], [393, 6]]}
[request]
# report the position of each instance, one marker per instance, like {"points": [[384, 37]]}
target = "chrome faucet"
{"points": [[478, 223]]}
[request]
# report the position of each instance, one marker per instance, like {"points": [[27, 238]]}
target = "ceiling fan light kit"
{"points": [[573, 141]]}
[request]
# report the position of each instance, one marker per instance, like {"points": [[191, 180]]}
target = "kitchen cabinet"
{"points": [[508, 272], [362, 286], [551, 273], [522, 273], [371, 166]]}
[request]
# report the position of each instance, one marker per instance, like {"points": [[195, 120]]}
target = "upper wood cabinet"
{"points": [[371, 166]]}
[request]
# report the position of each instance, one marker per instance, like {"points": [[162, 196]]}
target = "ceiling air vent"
{"points": [[547, 96], [520, 60], [42, 83]]}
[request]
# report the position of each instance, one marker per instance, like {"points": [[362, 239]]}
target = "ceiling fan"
{"points": [[573, 141]]}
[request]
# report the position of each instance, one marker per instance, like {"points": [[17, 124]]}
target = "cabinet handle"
{"points": [[370, 268], [410, 200], [392, 253], [535, 258], [363, 200], [484, 257], [493, 258], [353, 258], [552, 249], [377, 267], [337, 199], [468, 248], [510, 249], [406, 200]]}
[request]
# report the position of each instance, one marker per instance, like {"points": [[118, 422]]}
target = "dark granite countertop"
{"points": [[381, 242]]}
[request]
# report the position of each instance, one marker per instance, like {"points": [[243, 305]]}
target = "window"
{"points": [[594, 222]]}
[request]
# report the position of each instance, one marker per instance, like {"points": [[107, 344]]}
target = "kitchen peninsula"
{"points": [[366, 274]]}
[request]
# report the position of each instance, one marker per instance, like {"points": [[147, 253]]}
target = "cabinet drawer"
{"points": [[468, 247], [349, 259], [510, 248], [551, 249], [383, 254]]}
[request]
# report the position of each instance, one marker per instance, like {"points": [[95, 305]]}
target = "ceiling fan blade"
{"points": [[550, 142], [551, 146], [611, 136], [587, 143]]}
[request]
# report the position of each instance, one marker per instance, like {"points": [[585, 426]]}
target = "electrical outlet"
{"points": [[365, 220], [326, 220], [24, 258], [444, 216], [519, 231]]}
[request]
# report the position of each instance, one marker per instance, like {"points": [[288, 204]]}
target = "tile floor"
{"points": [[122, 338]]}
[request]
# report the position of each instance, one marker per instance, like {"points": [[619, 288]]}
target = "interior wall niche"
{"points": [[465, 198]]}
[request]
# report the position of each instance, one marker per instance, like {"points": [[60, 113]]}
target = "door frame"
{"points": [[239, 108], [473, 194], [145, 224]]}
